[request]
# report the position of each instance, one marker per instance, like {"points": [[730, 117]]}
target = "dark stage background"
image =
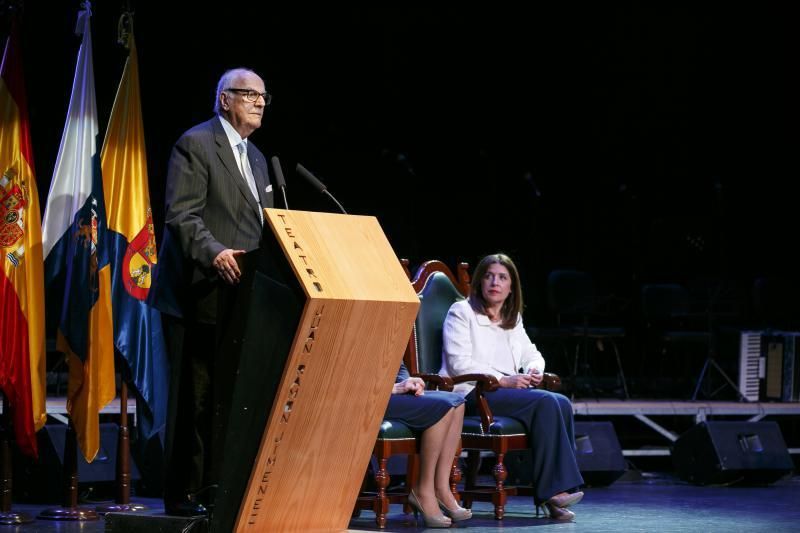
{"points": [[640, 142]]}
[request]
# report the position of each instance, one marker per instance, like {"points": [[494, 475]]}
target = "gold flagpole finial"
{"points": [[125, 29]]}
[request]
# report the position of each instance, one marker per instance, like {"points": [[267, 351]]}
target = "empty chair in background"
{"points": [[672, 338], [572, 297]]}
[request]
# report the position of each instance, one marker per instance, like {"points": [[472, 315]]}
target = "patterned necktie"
{"points": [[247, 173]]}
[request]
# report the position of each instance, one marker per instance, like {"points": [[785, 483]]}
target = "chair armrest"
{"points": [[550, 382], [436, 382], [483, 383], [486, 383]]}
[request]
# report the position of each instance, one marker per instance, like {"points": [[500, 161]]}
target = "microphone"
{"points": [[276, 169], [321, 187]]}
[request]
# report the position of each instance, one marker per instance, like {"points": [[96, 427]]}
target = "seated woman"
{"points": [[484, 335], [439, 415]]}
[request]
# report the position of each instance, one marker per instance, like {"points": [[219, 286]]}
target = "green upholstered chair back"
{"points": [[436, 297], [437, 289]]}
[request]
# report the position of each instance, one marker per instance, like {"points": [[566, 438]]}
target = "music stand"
{"points": [[711, 359]]}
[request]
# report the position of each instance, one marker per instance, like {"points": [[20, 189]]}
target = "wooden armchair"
{"points": [[438, 289], [572, 297], [395, 438]]}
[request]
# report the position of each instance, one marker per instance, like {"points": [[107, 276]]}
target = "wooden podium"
{"points": [[321, 321]]}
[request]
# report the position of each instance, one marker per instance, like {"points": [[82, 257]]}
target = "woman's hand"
{"points": [[536, 377], [517, 381], [415, 385]]}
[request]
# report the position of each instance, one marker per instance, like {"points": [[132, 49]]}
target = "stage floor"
{"points": [[653, 502]]}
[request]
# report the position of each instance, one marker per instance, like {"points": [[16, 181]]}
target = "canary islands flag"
{"points": [[76, 252]]}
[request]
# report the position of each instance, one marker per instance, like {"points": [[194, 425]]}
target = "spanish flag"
{"points": [[76, 256], [22, 351], [137, 326]]}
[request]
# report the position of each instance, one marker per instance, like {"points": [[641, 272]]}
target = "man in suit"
{"points": [[217, 185]]}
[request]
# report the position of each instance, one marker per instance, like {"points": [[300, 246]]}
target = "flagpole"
{"points": [[123, 471], [123, 467], [7, 516], [69, 509], [130, 233], [76, 253]]}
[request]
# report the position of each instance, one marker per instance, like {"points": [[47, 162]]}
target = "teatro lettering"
{"points": [[307, 267]]}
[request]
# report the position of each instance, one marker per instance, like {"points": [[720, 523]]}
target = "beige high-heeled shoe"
{"points": [[430, 521], [564, 499], [558, 513], [458, 514]]}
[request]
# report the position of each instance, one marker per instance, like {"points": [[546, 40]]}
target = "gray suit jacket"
{"points": [[209, 206]]}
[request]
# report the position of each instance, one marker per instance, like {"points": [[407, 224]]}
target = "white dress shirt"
{"points": [[472, 344], [239, 147]]}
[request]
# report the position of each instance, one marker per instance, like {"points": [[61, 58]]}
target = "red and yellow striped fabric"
{"points": [[22, 344]]}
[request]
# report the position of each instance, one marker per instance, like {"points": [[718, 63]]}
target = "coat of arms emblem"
{"points": [[13, 199]]}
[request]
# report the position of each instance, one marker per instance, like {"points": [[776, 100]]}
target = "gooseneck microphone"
{"points": [[321, 187], [280, 182]]}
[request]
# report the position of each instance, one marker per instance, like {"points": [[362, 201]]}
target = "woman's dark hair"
{"points": [[512, 307]]}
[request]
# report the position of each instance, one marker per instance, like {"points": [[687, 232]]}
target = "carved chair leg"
{"points": [[499, 495], [381, 503], [455, 476], [473, 464]]}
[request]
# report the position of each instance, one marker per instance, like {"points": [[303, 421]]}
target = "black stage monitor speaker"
{"points": [[153, 523], [727, 452], [598, 453], [42, 481]]}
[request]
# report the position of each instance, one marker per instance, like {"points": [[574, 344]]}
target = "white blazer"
{"points": [[472, 344]]}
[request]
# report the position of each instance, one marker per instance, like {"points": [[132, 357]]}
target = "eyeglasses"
{"points": [[250, 95]]}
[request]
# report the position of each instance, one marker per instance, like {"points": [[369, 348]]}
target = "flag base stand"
{"points": [[68, 514], [10, 518], [120, 508]]}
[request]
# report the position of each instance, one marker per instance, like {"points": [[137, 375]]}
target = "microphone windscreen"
{"points": [[300, 169], [278, 171]]}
